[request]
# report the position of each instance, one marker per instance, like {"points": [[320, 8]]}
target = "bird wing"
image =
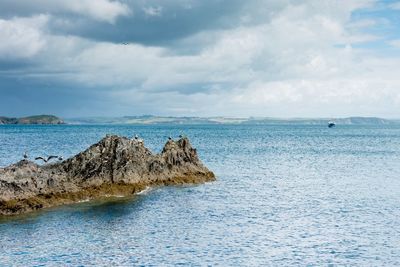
{"points": [[37, 158], [51, 157]]}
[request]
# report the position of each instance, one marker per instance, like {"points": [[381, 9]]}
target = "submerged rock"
{"points": [[114, 166]]}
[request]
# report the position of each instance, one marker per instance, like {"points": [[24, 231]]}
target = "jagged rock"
{"points": [[114, 166]]}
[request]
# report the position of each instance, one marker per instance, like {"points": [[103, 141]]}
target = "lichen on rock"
{"points": [[113, 166]]}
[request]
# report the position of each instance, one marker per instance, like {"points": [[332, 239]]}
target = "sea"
{"points": [[285, 195]]}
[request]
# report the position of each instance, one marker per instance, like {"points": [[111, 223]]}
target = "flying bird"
{"points": [[48, 158]]}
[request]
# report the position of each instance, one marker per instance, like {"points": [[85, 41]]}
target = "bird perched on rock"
{"points": [[48, 158], [60, 158], [169, 138], [25, 155], [137, 139]]}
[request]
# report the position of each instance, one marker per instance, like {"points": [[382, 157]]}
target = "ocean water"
{"points": [[285, 195]]}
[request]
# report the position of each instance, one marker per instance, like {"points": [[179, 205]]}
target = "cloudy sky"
{"points": [[277, 58]]}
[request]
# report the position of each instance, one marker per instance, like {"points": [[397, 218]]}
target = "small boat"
{"points": [[331, 124]]}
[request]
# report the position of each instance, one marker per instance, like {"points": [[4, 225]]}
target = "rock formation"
{"points": [[114, 166]]}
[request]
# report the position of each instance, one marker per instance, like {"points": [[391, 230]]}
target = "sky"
{"points": [[235, 58]]}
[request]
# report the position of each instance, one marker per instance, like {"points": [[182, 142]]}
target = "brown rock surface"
{"points": [[114, 166]]}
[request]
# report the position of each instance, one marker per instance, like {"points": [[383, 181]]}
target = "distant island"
{"points": [[39, 119], [150, 119]]}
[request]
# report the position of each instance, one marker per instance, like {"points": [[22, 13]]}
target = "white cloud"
{"points": [[22, 37], [153, 11], [100, 10], [395, 6], [395, 43], [322, 98], [103, 10], [361, 24]]}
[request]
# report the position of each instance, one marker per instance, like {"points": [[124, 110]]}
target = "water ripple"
{"points": [[285, 195]]}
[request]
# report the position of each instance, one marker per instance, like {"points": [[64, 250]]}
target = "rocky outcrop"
{"points": [[114, 166]]}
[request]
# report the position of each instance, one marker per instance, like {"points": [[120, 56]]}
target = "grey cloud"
{"points": [[176, 22], [178, 19], [21, 97]]}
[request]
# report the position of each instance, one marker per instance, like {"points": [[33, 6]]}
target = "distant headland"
{"points": [[38, 119], [150, 120]]}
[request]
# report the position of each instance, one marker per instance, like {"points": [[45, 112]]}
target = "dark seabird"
{"points": [[25, 155], [136, 137], [48, 158], [60, 158], [331, 124], [169, 138]]}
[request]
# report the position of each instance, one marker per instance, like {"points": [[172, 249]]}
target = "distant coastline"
{"points": [[38, 119], [150, 120]]}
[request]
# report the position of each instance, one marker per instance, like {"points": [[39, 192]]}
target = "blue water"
{"points": [[285, 195]]}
